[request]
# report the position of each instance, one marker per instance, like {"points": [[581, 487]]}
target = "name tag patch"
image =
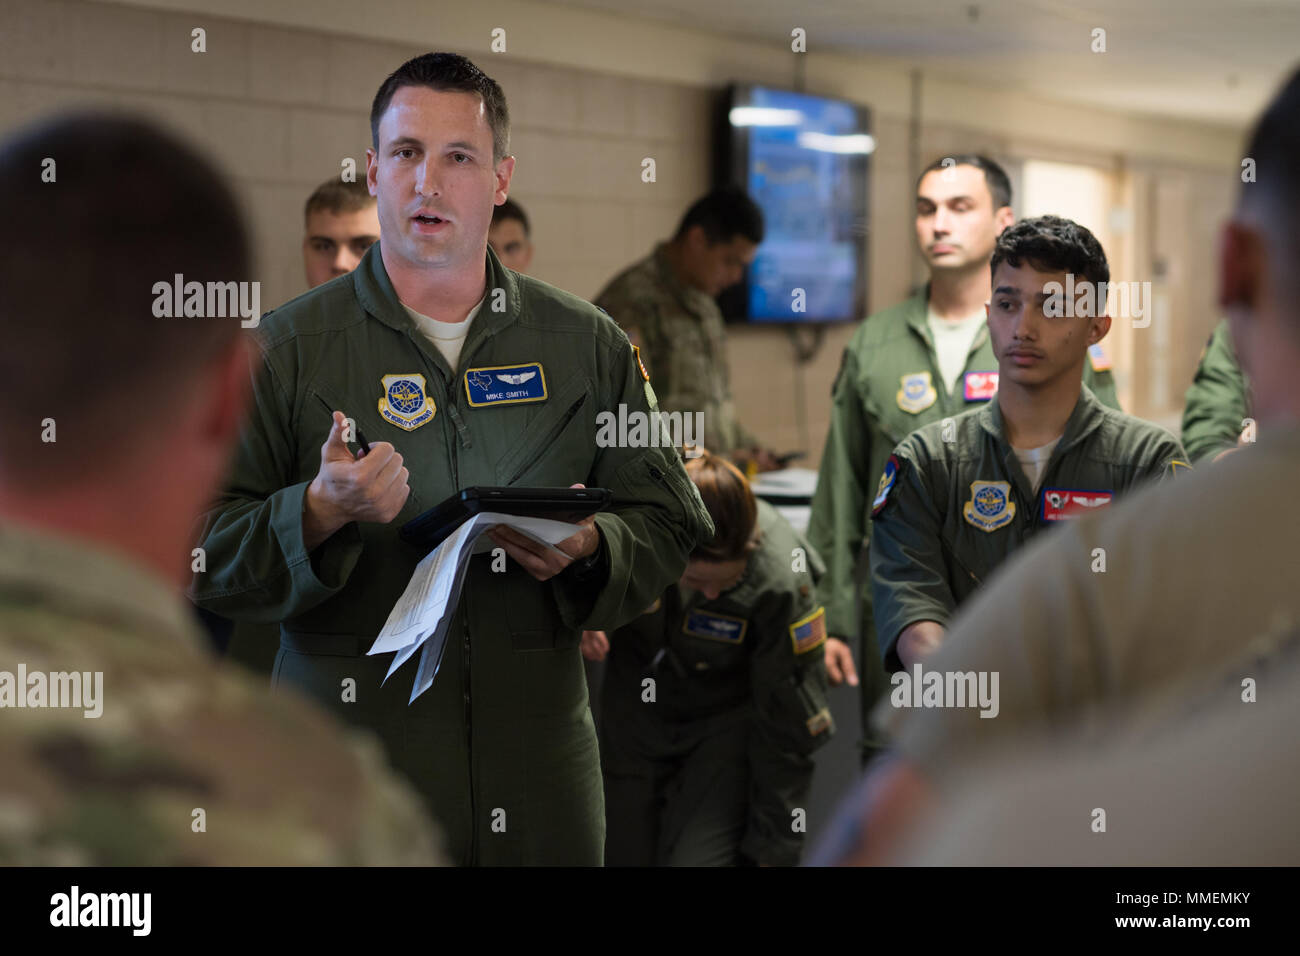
{"points": [[715, 627], [506, 384], [809, 633], [1061, 503], [980, 386]]}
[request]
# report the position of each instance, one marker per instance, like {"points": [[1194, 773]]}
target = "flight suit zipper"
{"points": [[550, 436]]}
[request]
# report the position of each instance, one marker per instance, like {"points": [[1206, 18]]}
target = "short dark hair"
{"points": [[448, 73], [127, 206], [1274, 146], [994, 175], [1052, 244], [723, 214], [510, 210], [338, 197]]}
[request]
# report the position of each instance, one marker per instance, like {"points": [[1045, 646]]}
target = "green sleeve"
{"points": [[656, 521], [791, 720], [909, 577], [258, 568], [1216, 401], [839, 524], [1101, 384]]}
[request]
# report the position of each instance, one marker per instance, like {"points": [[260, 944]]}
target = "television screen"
{"points": [[804, 160]]}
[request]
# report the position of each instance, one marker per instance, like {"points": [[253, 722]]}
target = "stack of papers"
{"points": [[422, 615]]}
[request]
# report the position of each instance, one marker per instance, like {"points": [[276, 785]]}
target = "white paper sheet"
{"points": [[422, 615]]}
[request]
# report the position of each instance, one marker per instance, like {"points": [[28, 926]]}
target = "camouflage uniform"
{"points": [[279, 784], [1217, 400], [683, 343]]}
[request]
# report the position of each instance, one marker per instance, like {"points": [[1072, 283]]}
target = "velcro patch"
{"points": [[715, 627], [819, 722], [886, 485], [1061, 503], [636, 350], [809, 633], [505, 384], [980, 386], [1100, 361]]}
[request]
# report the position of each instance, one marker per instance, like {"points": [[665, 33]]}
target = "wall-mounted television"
{"points": [[804, 159]]}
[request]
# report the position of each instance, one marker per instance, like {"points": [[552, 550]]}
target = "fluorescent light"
{"points": [[827, 143], [764, 116]]}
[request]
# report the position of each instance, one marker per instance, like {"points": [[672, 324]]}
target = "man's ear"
{"points": [[1002, 218], [1239, 265], [504, 171], [1098, 327], [372, 171]]}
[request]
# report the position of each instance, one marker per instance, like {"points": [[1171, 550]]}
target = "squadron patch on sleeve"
{"points": [[809, 633], [886, 485]]}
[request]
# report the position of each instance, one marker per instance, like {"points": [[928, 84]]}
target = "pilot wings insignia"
{"points": [[517, 379]]}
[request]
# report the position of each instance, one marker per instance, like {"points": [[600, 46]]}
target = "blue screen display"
{"points": [[806, 168]]}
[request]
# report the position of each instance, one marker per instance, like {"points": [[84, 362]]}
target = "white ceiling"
{"points": [[1210, 60]]}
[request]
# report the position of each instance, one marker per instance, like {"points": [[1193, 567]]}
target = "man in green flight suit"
{"points": [[1218, 401], [459, 372], [911, 364], [959, 495]]}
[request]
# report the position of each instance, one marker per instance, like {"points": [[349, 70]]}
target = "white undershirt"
{"points": [[447, 337], [952, 341], [1034, 461]]}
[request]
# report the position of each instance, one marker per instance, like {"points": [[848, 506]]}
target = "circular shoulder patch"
{"points": [[886, 485]]}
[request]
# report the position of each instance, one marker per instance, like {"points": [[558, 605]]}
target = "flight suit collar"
{"points": [[916, 312], [377, 296], [1086, 418]]}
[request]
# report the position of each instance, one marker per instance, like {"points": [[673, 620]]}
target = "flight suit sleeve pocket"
{"points": [[800, 709]]}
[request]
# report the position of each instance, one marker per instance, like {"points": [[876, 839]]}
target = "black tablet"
{"points": [[562, 504]]}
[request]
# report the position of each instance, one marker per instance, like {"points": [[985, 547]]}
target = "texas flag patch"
{"points": [[1061, 503], [981, 386]]}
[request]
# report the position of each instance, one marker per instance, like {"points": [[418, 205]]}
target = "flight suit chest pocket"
{"points": [[711, 640], [539, 442]]}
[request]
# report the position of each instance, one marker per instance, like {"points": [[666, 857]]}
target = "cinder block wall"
{"points": [[279, 108]]}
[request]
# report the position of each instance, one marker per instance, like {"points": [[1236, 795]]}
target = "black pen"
{"points": [[361, 439]]}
